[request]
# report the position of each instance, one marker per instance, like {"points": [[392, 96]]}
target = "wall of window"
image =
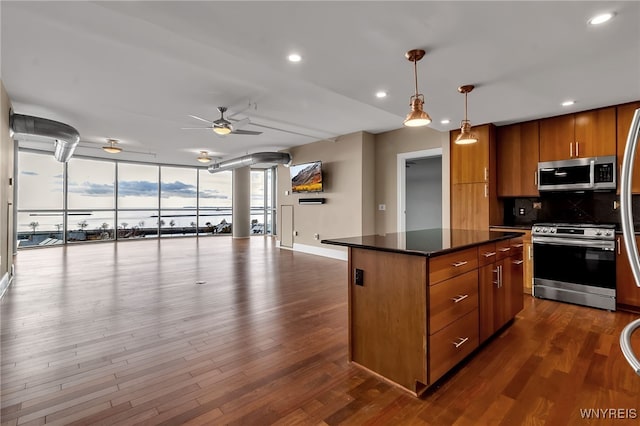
{"points": [[88, 200]]}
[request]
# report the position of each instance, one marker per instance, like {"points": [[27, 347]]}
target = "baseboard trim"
{"points": [[319, 251]]}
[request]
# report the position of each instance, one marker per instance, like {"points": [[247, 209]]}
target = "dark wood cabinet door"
{"points": [[514, 284], [623, 122], [487, 295], [595, 133], [627, 293], [517, 159], [557, 138]]}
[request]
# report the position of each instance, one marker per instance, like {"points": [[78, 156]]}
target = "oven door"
{"points": [[577, 271]]}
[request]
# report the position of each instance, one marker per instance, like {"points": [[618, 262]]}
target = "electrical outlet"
{"points": [[382, 207], [358, 277], [521, 211], [316, 236], [286, 192], [295, 233]]}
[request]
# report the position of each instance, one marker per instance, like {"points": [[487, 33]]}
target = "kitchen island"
{"points": [[422, 301]]}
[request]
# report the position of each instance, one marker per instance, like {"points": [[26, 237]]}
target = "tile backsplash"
{"points": [[569, 207]]}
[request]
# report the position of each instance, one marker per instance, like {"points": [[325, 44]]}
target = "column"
{"points": [[241, 212]]}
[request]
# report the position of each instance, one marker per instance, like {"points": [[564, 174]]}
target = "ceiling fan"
{"points": [[222, 126]]}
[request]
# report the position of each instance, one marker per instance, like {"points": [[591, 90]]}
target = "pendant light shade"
{"points": [[417, 117], [112, 148], [222, 130], [204, 157], [466, 136]]}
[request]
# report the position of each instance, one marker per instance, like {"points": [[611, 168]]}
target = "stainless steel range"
{"points": [[575, 263]]}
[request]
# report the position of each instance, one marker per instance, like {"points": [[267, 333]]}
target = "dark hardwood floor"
{"points": [[120, 333]]}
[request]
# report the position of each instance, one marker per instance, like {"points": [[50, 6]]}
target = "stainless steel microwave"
{"points": [[578, 174]]}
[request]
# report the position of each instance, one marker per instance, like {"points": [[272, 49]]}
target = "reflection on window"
{"points": [[90, 226], [178, 223], [137, 186], [257, 202], [215, 202], [137, 224], [90, 184], [40, 228], [40, 182]]}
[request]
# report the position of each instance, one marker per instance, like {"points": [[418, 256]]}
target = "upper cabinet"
{"points": [[579, 135], [625, 115], [470, 163], [517, 160]]}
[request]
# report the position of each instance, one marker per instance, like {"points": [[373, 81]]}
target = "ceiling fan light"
{"points": [[466, 136], [204, 157], [112, 148], [223, 130], [417, 117]]}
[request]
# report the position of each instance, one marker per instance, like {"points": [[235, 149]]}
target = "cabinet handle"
{"points": [[618, 245], [535, 178], [503, 249], [460, 263], [518, 245], [489, 254], [461, 341], [530, 253], [486, 190], [486, 174], [518, 262], [459, 298], [571, 150], [577, 149]]}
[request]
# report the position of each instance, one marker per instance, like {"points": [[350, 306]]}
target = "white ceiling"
{"points": [[134, 71]]}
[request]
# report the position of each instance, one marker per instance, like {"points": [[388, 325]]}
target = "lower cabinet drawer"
{"points": [[452, 344], [451, 299]]}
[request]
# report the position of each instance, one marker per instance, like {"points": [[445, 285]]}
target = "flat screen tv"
{"points": [[306, 177]]}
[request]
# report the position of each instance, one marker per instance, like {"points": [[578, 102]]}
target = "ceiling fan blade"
{"points": [[200, 118], [195, 128], [245, 132], [237, 125]]}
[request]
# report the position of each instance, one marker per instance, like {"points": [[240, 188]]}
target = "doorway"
{"points": [[420, 190]]}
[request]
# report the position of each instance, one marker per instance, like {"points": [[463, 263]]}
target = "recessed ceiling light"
{"points": [[381, 94], [445, 121], [601, 19], [568, 103], [294, 57]]}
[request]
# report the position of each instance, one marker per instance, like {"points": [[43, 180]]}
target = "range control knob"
{"points": [[545, 229], [598, 233]]}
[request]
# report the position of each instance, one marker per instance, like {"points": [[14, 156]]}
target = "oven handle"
{"points": [[605, 245]]}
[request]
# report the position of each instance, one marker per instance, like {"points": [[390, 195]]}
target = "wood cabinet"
{"points": [[623, 122], [472, 163], [412, 318], [500, 293], [517, 159], [474, 202], [627, 293], [583, 134], [527, 256]]}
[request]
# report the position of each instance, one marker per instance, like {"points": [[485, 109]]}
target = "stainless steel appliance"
{"points": [[578, 174], [626, 219], [575, 263]]}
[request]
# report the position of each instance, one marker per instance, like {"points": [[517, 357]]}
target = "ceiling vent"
{"points": [[259, 158], [65, 137]]}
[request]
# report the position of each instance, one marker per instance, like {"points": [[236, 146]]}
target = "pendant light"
{"points": [[204, 157], [112, 148], [417, 117], [466, 136]]}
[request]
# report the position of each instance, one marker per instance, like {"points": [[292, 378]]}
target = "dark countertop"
{"points": [[522, 227], [426, 242]]}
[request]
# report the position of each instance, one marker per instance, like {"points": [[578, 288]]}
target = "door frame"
{"points": [[401, 164]]}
